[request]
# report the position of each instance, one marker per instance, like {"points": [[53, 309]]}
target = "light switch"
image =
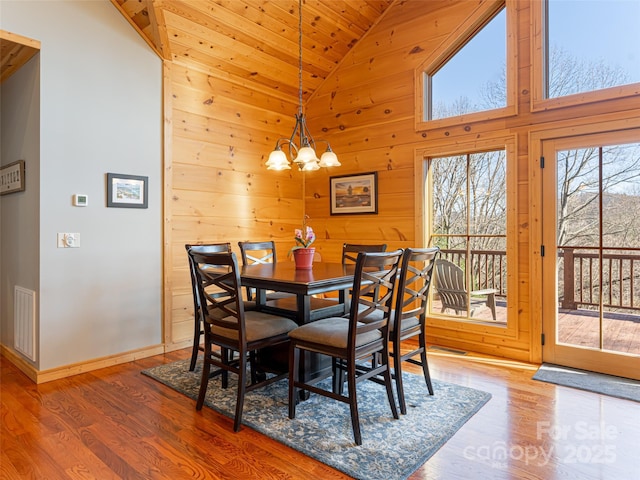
{"points": [[68, 240]]}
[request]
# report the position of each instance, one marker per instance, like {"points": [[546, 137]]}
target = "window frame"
{"points": [[539, 48], [423, 232], [454, 42]]}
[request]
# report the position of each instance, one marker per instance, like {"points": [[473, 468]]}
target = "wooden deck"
{"points": [[621, 333], [579, 327]]}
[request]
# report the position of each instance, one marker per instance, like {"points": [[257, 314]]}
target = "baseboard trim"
{"points": [[43, 376], [23, 365]]}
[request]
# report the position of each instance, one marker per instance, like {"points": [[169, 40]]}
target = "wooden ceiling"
{"points": [[251, 40], [255, 40], [15, 51]]}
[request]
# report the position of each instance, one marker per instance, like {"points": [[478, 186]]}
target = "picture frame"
{"points": [[12, 178], [354, 194], [127, 191]]}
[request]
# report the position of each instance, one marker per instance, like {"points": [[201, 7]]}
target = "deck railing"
{"points": [[579, 284], [580, 281]]}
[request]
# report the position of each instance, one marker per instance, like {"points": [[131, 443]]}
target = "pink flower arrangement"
{"points": [[303, 237]]}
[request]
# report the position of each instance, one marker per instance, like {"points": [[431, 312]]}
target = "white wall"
{"points": [[100, 111]]}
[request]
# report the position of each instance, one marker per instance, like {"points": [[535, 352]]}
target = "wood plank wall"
{"points": [[218, 189], [222, 129]]}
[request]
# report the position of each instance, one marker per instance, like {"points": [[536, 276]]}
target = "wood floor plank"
{"points": [[117, 423]]}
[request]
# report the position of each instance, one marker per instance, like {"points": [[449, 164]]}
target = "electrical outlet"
{"points": [[68, 240]]}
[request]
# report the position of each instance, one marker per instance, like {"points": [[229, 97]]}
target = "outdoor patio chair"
{"points": [[450, 284]]}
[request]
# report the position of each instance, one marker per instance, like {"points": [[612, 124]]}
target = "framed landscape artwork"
{"points": [[127, 191], [354, 194]]}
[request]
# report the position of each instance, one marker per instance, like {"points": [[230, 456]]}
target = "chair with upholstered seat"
{"points": [[350, 253], [228, 326], [451, 286], [197, 317], [348, 340], [260, 253], [409, 316]]}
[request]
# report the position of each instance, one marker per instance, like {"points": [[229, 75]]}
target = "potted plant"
{"points": [[302, 251]]}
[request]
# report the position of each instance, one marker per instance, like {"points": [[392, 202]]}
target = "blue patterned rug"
{"points": [[391, 449]]}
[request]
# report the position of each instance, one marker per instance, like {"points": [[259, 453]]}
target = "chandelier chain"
{"points": [[302, 154], [300, 55]]}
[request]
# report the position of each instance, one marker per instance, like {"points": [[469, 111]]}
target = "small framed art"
{"points": [[353, 194], [12, 177], [127, 191]]}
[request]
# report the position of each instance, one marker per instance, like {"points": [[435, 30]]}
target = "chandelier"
{"points": [[302, 154]]}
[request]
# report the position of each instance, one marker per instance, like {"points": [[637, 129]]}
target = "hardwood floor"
{"points": [[116, 423]]}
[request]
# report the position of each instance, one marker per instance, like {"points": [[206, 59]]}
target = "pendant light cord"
{"points": [[300, 97], [300, 56]]}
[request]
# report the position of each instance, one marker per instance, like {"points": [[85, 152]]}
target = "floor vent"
{"points": [[447, 350], [24, 322]]}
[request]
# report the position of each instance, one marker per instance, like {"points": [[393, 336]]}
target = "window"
{"points": [[592, 45], [469, 223], [472, 75], [473, 79]]}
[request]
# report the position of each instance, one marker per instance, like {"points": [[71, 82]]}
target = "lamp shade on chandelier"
{"points": [[303, 154]]}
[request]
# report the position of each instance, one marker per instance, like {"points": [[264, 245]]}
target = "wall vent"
{"points": [[24, 322]]}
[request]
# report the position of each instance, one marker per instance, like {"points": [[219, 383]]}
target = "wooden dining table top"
{"points": [[284, 277], [306, 285]]}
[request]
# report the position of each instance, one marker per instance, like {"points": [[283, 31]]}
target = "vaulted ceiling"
{"points": [[15, 51], [255, 40]]}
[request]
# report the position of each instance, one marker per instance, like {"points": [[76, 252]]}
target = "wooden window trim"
{"points": [[485, 10], [539, 102], [494, 142]]}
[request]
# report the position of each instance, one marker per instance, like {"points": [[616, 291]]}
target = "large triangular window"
{"points": [[469, 75], [472, 80]]}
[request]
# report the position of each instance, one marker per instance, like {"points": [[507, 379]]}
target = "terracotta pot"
{"points": [[304, 258]]}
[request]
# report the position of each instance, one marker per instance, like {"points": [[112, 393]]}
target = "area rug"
{"points": [[590, 381], [391, 449]]}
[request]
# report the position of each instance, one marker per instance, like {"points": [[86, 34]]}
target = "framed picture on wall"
{"points": [[12, 177], [354, 194], [127, 191]]}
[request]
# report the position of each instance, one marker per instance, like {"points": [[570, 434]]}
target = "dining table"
{"points": [[306, 287], [307, 303]]}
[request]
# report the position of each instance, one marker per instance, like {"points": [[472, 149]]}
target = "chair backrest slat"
{"points": [[414, 281], [218, 282], [201, 248], [258, 252], [374, 271], [350, 251]]}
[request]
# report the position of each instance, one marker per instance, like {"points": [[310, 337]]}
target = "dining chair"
{"points": [[260, 253], [451, 287], [409, 315], [230, 327], [348, 340], [197, 317], [350, 253]]}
